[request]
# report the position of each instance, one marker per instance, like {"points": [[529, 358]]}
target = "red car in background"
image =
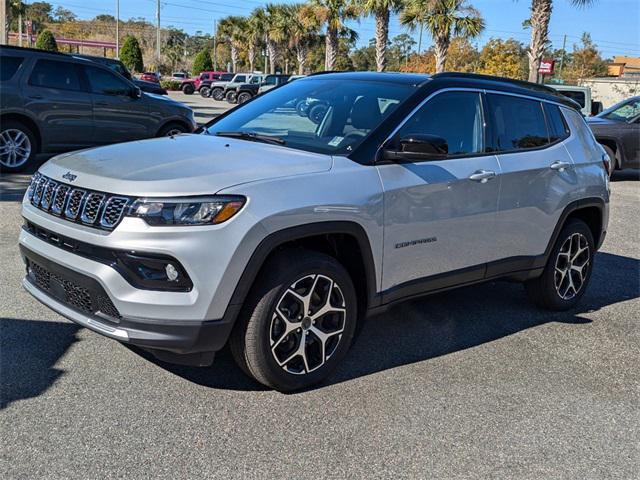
{"points": [[190, 85], [150, 77]]}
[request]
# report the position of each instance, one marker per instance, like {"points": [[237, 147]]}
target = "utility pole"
{"points": [[420, 40], [118, 29], [215, 50], [564, 44], [3, 22], [158, 35]]}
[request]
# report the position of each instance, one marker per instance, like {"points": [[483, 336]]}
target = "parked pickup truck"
{"points": [[582, 95]]}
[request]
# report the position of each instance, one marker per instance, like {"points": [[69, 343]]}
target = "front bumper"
{"points": [[81, 300]]}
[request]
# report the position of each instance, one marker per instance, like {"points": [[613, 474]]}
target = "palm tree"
{"points": [[231, 30], [253, 33], [303, 28], [443, 19], [539, 23], [272, 24], [333, 13], [381, 10]]}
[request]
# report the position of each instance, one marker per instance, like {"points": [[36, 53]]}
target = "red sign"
{"points": [[546, 67]]}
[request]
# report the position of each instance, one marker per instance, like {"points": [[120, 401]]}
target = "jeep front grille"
{"points": [[96, 209]]}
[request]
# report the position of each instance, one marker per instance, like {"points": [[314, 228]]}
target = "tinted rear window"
{"points": [[9, 66], [53, 74], [226, 77], [518, 123], [557, 126]]}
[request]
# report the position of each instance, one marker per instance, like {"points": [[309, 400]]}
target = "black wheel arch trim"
{"points": [[274, 240]]}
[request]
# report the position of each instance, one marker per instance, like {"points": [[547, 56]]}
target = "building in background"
{"points": [[624, 66]]}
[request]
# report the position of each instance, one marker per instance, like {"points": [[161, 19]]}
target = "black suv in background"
{"points": [[53, 102], [119, 67], [247, 91]]}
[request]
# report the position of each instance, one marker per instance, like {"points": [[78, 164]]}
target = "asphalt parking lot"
{"points": [[474, 383]]}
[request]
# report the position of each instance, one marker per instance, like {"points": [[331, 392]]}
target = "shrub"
{"points": [[202, 63], [131, 55], [170, 84], [46, 41]]}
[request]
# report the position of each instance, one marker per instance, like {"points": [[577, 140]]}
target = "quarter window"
{"points": [[8, 67], [517, 123], [54, 74], [557, 126], [453, 116], [104, 82]]}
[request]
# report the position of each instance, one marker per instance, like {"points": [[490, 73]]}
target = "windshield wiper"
{"points": [[255, 137]]}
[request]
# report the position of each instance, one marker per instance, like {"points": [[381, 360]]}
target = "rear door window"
{"points": [[103, 82], [517, 123], [55, 74], [9, 66]]}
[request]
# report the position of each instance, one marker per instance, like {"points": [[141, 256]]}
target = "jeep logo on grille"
{"points": [[70, 176]]}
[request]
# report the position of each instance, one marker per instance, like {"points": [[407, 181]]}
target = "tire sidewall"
{"points": [[243, 97], [612, 157], [217, 94], [15, 125], [269, 368], [188, 89]]}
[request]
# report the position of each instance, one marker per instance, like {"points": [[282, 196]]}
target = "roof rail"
{"points": [[521, 83], [28, 49]]}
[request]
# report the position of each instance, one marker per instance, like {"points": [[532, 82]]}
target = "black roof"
{"points": [[387, 77], [455, 79]]}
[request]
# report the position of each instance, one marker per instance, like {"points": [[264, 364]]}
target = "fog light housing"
{"points": [[153, 272]]}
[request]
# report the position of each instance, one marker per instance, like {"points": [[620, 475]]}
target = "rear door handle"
{"points": [[482, 176], [559, 166]]}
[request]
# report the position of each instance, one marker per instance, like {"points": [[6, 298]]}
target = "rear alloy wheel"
{"points": [[217, 94], [568, 270], [204, 92], [244, 97], [17, 146], [298, 323], [188, 89]]}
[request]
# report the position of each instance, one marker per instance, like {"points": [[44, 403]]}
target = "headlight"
{"points": [[186, 210]]}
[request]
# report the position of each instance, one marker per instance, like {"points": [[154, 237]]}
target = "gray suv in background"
{"points": [[52, 102], [278, 234]]}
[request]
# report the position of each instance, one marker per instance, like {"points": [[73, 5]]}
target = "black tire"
{"points": [[172, 128], [612, 157], [11, 127], [542, 290], [317, 113], [204, 92], [230, 96], [244, 97], [251, 339], [217, 93], [188, 89]]}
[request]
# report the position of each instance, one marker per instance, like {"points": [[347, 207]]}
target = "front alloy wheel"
{"points": [[298, 322], [307, 324]]}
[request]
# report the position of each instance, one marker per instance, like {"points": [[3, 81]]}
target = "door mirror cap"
{"points": [[417, 146], [136, 92]]}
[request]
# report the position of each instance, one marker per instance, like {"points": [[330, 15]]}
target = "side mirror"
{"points": [[136, 92], [417, 146], [596, 108]]}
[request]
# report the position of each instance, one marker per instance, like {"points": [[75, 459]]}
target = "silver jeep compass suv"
{"points": [[277, 233]]}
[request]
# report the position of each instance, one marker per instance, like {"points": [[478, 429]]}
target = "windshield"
{"points": [[317, 115], [624, 111]]}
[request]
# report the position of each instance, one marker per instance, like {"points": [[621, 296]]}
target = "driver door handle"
{"points": [[482, 176], [559, 166]]}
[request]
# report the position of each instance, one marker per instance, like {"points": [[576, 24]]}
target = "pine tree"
{"points": [[202, 63], [131, 55], [46, 41]]}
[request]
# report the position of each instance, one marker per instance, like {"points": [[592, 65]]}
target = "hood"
{"points": [[164, 100], [181, 165], [600, 121]]}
